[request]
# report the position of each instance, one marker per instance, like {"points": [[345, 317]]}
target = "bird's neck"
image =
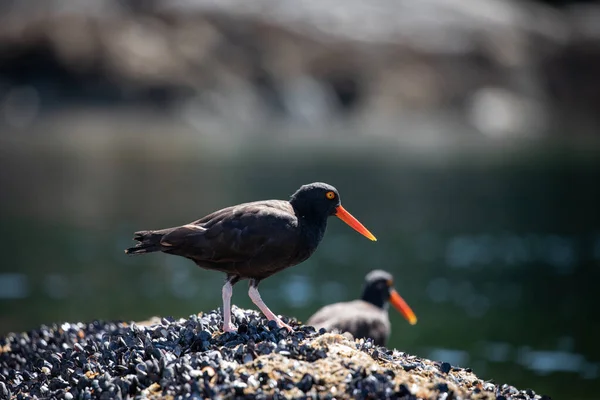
{"points": [[374, 297], [312, 227]]}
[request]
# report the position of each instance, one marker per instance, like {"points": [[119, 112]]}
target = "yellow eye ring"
{"points": [[330, 195]]}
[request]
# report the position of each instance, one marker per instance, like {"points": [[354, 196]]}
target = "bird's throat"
{"points": [[312, 230]]}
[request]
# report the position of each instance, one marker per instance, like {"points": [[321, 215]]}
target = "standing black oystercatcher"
{"points": [[368, 317], [253, 240]]}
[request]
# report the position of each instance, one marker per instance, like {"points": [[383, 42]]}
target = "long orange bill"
{"points": [[400, 305], [353, 222]]}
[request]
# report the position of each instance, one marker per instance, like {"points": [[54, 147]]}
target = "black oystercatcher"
{"points": [[253, 240], [368, 317]]}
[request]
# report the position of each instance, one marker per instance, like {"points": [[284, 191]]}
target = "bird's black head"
{"points": [[376, 289], [317, 201], [379, 290]]}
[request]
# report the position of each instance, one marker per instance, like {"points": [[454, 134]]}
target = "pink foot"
{"points": [[282, 324]]}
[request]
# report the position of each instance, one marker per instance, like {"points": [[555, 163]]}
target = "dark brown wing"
{"points": [[240, 234], [361, 319]]}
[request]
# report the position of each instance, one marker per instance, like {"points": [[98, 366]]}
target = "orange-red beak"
{"points": [[400, 305], [353, 222]]}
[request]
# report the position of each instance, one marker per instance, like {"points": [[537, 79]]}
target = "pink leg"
{"points": [[227, 292], [256, 299]]}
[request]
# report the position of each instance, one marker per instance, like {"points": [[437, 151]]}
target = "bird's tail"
{"points": [[149, 241]]}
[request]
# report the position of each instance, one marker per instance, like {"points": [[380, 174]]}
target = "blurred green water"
{"points": [[500, 260]]}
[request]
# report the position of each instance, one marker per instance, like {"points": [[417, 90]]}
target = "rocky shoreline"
{"points": [[309, 61], [166, 358]]}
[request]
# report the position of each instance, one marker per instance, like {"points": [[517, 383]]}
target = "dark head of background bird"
{"points": [[317, 201], [379, 291]]}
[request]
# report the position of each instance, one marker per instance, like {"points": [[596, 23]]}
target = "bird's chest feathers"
{"points": [[311, 233]]}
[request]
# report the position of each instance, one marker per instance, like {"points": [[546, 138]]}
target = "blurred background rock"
{"points": [[463, 133]]}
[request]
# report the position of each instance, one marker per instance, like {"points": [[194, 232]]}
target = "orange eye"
{"points": [[330, 195], [390, 283]]}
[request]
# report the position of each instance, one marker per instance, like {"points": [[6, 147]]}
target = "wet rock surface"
{"points": [[191, 358]]}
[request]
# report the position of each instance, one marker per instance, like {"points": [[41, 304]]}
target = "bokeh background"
{"points": [[463, 134]]}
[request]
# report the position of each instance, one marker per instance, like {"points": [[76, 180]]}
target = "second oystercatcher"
{"points": [[367, 317], [253, 240]]}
